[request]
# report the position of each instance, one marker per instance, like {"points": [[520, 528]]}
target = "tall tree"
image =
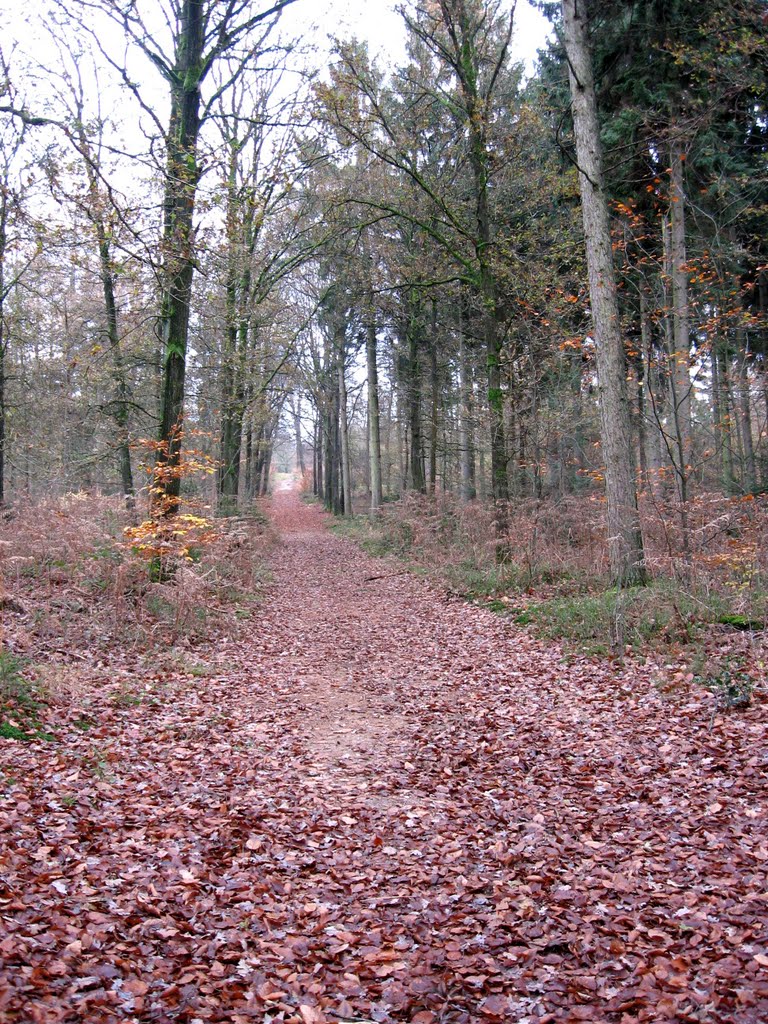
{"points": [[444, 126], [201, 34], [16, 257], [624, 535], [98, 206], [472, 38]]}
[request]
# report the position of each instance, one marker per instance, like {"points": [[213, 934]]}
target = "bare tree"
{"points": [[14, 261], [193, 37]]}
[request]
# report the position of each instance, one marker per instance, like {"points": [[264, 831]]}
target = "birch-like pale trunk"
{"points": [[374, 418], [346, 469], [624, 534], [681, 354], [652, 402]]}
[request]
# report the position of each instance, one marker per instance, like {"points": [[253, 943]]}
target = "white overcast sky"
{"points": [[378, 22], [314, 21]]}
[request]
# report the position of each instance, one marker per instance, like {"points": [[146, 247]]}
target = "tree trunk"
{"points": [[387, 458], [374, 419], [319, 447], [681, 355], [228, 476], [346, 470], [180, 185], [499, 488], [333, 491], [624, 536], [266, 463], [329, 496], [337, 504], [655, 404], [413, 384], [434, 405], [2, 395], [650, 403], [718, 418], [122, 391], [726, 409], [486, 286], [249, 460], [466, 427], [94, 211], [679, 436], [3, 340], [744, 406], [300, 464]]}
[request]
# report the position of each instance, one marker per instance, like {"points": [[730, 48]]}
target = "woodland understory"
{"points": [[300, 784]]}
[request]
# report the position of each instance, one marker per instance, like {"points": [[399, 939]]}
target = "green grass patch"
{"points": [[13, 686], [475, 581], [21, 724], [494, 585], [18, 707], [577, 608], [603, 622], [201, 671]]}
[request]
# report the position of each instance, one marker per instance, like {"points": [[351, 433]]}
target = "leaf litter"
{"points": [[383, 804]]}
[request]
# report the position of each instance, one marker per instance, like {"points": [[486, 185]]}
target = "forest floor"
{"points": [[381, 803]]}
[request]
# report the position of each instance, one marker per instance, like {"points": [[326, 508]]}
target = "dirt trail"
{"points": [[341, 633], [384, 804]]}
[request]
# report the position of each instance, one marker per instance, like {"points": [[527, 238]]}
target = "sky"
{"points": [[378, 22], [314, 21]]}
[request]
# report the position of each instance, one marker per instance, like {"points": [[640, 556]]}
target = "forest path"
{"points": [[380, 803], [344, 637]]}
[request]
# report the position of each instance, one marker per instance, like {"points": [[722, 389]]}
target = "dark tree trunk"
{"points": [[434, 419], [228, 476], [413, 385], [319, 446], [744, 406], [181, 179], [465, 58], [346, 468], [3, 341], [122, 390], [231, 429], [466, 420]]}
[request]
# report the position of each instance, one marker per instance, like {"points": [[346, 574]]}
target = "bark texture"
{"points": [[624, 535]]}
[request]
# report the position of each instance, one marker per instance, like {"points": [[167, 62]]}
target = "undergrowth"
{"points": [[79, 602], [554, 577], [611, 620]]}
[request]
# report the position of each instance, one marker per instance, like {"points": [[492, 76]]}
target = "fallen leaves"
{"points": [[382, 807]]}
